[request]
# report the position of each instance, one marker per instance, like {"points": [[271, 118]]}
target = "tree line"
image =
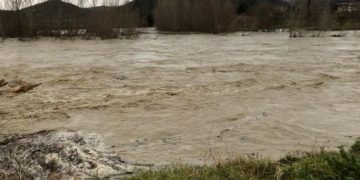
{"points": [[299, 16], [21, 18]]}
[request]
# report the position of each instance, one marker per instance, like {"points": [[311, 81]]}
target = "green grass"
{"points": [[338, 165]]}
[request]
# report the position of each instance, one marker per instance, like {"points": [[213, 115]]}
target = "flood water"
{"points": [[192, 98]]}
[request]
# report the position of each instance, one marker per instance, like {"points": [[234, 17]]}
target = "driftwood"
{"points": [[20, 86], [2, 82], [55, 154]]}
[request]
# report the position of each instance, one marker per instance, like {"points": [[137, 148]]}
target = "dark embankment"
{"points": [[344, 164]]}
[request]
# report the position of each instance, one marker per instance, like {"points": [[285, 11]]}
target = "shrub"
{"points": [[355, 148]]}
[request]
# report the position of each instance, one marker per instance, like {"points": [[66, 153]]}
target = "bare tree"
{"points": [[309, 15], [15, 5], [94, 3], [1, 21], [82, 3], [112, 2], [268, 16], [28, 20], [1, 5]]}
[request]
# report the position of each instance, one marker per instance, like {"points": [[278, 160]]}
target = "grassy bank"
{"points": [[342, 164]]}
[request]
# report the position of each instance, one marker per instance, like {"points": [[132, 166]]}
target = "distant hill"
{"points": [[52, 7], [58, 15]]}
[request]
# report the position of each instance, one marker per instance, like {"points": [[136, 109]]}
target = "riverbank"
{"points": [[68, 154], [321, 165]]}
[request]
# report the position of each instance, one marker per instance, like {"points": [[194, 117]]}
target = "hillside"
{"points": [[56, 13]]}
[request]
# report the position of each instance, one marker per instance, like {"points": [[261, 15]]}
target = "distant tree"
{"points": [[15, 5], [213, 16], [268, 15], [1, 19], [82, 3], [309, 15], [94, 3]]}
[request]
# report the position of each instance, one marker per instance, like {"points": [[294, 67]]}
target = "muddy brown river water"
{"points": [[192, 98]]}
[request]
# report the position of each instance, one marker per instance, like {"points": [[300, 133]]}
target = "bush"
{"points": [[355, 148], [325, 165]]}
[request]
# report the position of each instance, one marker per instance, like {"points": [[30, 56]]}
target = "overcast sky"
{"points": [[86, 3]]}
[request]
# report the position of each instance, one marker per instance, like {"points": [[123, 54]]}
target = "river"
{"points": [[192, 98]]}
